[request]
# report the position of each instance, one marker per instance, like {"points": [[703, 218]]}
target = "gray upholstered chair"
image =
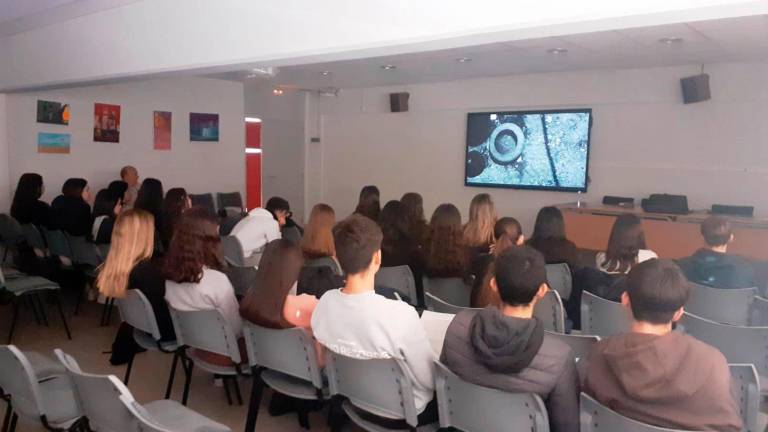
{"points": [[596, 417], [451, 290], [601, 317], [727, 306], [399, 278], [559, 279]]}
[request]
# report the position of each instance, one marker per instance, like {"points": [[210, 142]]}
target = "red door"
{"points": [[252, 163]]}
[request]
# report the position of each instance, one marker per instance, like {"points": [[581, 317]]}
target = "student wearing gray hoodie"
{"points": [[506, 348], [657, 376]]}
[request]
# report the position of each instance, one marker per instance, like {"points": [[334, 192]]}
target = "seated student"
{"points": [[712, 265], [355, 321], [130, 176], [317, 245], [506, 348], [281, 211], [106, 208], [175, 203], [549, 238], [129, 265], [255, 230], [626, 246], [368, 204], [192, 269], [655, 375], [118, 188], [413, 203], [397, 248], [478, 232], [508, 233], [444, 254], [27, 208], [150, 199], [70, 211]]}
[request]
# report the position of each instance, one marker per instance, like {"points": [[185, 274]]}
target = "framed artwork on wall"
{"points": [[203, 127], [53, 143], [162, 123], [106, 123], [52, 112]]}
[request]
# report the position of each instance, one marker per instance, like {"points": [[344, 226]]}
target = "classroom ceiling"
{"points": [[702, 42]]}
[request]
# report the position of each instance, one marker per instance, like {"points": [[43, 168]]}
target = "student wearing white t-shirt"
{"points": [[357, 322], [626, 246]]}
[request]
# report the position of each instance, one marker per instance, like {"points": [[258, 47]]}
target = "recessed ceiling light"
{"points": [[557, 51], [463, 59], [325, 73], [277, 91], [252, 120], [670, 40], [389, 67]]}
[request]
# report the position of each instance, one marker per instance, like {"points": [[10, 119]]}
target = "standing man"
{"points": [[130, 176]]}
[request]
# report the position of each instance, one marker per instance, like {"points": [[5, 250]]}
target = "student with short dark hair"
{"points": [[106, 208], [506, 348], [357, 322], [657, 376], [281, 211], [712, 265]]}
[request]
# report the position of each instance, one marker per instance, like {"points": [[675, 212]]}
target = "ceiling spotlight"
{"points": [[670, 40], [463, 59], [557, 51], [325, 73], [389, 67], [277, 91]]}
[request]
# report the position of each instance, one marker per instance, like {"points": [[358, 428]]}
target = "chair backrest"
{"points": [[602, 317], [143, 419], [203, 200], [233, 251], [18, 379], [596, 417], [206, 330], [472, 408], [580, 344], [229, 199], [758, 313], [10, 230], [551, 312], [728, 306], [292, 234], [83, 251], [136, 310], [559, 279], [33, 237], [324, 262], [289, 351], [399, 278], [58, 244], [99, 397], [436, 304], [738, 344], [451, 290], [745, 389], [378, 386]]}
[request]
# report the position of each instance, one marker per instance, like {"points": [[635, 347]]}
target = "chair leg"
{"points": [[104, 309], [79, 300], [171, 377], [237, 391], [303, 415], [225, 383], [7, 417], [111, 302], [128, 369], [12, 426], [41, 306], [31, 305], [13, 320], [188, 367], [57, 298], [257, 389]]}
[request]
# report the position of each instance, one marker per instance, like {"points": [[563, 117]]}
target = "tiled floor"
{"points": [[150, 370]]}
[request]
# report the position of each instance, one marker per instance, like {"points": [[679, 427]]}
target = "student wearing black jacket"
{"points": [[27, 208], [70, 211]]}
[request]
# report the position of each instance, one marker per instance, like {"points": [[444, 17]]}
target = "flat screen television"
{"points": [[546, 150]]}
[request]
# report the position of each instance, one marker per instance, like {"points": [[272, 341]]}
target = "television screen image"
{"points": [[529, 149]]}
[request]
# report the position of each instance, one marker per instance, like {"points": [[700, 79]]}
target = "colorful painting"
{"points": [[106, 123], [52, 112], [53, 143], [203, 127], [162, 120]]}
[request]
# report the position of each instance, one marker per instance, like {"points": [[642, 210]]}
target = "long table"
{"points": [[669, 235]]}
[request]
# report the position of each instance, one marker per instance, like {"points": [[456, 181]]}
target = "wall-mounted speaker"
{"points": [[398, 102], [695, 88]]}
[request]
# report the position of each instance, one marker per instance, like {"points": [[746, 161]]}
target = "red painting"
{"points": [[106, 123], [162, 120]]}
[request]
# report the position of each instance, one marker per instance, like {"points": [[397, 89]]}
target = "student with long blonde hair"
{"points": [[129, 265], [478, 232]]}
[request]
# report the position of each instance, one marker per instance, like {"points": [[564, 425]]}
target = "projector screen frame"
{"points": [[532, 187]]}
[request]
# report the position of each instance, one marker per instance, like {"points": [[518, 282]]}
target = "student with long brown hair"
{"points": [[413, 204], [478, 232], [318, 233], [444, 251], [549, 238], [175, 203], [129, 265], [626, 246], [369, 204]]}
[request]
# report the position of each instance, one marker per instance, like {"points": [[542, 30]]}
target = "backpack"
{"points": [[317, 280]]}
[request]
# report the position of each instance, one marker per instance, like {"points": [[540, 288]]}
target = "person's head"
{"points": [[445, 242], [175, 203], [150, 197], [76, 188], [510, 228], [358, 245], [549, 224], [520, 277], [118, 188], [656, 292], [29, 188], [317, 241], [626, 240], [368, 205], [279, 208], [278, 271], [133, 239], [107, 204], [130, 175], [413, 204], [195, 245], [394, 224], [716, 231], [482, 217]]}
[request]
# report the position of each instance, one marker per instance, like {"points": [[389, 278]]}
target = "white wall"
{"points": [[644, 139], [5, 179], [197, 166], [282, 143]]}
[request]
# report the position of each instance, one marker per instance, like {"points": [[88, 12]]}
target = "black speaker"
{"points": [[618, 201], [695, 88], [722, 209], [664, 203], [398, 102]]}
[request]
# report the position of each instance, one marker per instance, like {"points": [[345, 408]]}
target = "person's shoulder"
{"points": [[703, 352], [559, 351], [645, 255], [214, 275]]}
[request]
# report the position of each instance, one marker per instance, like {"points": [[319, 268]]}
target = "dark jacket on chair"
{"points": [[719, 270], [510, 354]]}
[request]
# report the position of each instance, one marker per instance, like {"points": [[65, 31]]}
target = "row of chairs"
{"points": [[227, 202]]}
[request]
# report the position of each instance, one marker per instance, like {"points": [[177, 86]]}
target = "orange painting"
{"points": [[162, 121]]}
